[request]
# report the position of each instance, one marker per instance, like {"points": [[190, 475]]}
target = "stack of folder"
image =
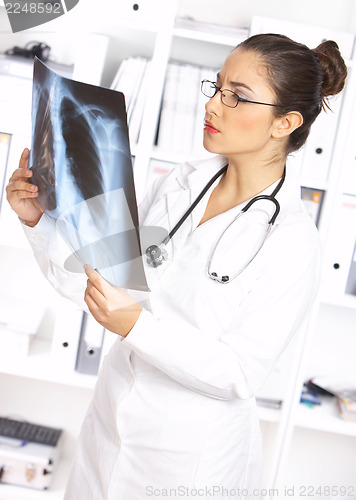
{"points": [[79, 342]]}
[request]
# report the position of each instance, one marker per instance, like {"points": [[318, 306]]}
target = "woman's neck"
{"points": [[240, 183], [244, 181]]}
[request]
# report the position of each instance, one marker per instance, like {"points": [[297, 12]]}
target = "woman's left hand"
{"points": [[112, 307]]}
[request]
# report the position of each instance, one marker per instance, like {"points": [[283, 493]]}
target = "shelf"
{"points": [[268, 414], [324, 418], [201, 36], [40, 365], [348, 301], [314, 183], [55, 492], [208, 32]]}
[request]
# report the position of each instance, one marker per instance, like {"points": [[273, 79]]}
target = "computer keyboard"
{"points": [[27, 432]]}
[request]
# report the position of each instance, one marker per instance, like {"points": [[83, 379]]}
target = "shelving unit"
{"points": [[162, 41]]}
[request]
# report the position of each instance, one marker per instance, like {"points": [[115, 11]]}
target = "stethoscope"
{"points": [[157, 254]]}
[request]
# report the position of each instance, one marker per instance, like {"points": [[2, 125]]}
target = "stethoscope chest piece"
{"points": [[156, 255]]}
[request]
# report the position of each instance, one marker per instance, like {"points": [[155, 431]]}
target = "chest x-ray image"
{"points": [[82, 165]]}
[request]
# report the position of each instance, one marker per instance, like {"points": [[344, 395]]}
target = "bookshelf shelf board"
{"points": [[39, 364], [268, 414], [324, 418], [202, 36]]}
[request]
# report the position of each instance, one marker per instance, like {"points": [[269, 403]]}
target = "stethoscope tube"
{"points": [[270, 197], [227, 279], [194, 204], [156, 254]]}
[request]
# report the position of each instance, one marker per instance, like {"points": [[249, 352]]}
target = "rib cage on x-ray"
{"points": [[82, 153], [81, 162], [81, 129]]}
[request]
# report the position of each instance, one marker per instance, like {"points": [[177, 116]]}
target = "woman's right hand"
{"points": [[22, 195]]}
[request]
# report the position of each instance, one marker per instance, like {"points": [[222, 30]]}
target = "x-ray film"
{"points": [[81, 163]]}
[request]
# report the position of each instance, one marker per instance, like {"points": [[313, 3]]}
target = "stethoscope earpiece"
{"points": [[215, 277]]}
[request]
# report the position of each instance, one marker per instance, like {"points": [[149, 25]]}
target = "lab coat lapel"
{"points": [[177, 204], [191, 184], [198, 180]]}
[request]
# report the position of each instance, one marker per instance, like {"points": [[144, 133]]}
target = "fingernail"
{"points": [[28, 173], [88, 268]]}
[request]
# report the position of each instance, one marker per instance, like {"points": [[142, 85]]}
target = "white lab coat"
{"points": [[174, 405]]}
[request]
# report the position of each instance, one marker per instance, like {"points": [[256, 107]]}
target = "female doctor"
{"points": [[174, 411]]}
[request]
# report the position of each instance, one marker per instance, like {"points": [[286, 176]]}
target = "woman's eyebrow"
{"points": [[236, 84]]}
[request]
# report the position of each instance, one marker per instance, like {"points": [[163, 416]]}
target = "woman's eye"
{"points": [[241, 96]]}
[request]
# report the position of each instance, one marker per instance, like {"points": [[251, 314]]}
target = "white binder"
{"points": [[339, 251], [68, 322], [320, 143]]}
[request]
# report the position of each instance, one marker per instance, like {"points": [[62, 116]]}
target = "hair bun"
{"points": [[333, 67]]}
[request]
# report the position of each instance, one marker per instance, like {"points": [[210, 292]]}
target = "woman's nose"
{"points": [[212, 105]]}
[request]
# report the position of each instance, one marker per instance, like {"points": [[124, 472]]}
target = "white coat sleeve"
{"points": [[51, 252], [236, 364]]}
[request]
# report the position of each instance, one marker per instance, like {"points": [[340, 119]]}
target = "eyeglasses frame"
{"points": [[238, 98]]}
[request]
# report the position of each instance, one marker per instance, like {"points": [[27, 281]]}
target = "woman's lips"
{"points": [[209, 127]]}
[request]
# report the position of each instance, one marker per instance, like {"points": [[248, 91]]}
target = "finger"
{"points": [[28, 191], [96, 296], [24, 158], [95, 278], [21, 186], [20, 174], [93, 308]]}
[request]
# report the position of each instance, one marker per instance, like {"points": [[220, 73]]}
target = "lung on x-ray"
{"points": [[81, 162]]}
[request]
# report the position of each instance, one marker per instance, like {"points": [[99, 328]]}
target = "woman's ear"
{"points": [[286, 124]]}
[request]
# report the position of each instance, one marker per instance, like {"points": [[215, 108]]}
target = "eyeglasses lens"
{"points": [[208, 88], [228, 97]]}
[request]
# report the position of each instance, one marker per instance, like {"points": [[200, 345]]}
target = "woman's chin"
{"points": [[209, 147]]}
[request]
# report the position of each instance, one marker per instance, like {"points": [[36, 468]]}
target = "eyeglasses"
{"points": [[228, 97]]}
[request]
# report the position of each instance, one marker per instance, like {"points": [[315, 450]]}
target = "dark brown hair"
{"points": [[302, 79]]}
